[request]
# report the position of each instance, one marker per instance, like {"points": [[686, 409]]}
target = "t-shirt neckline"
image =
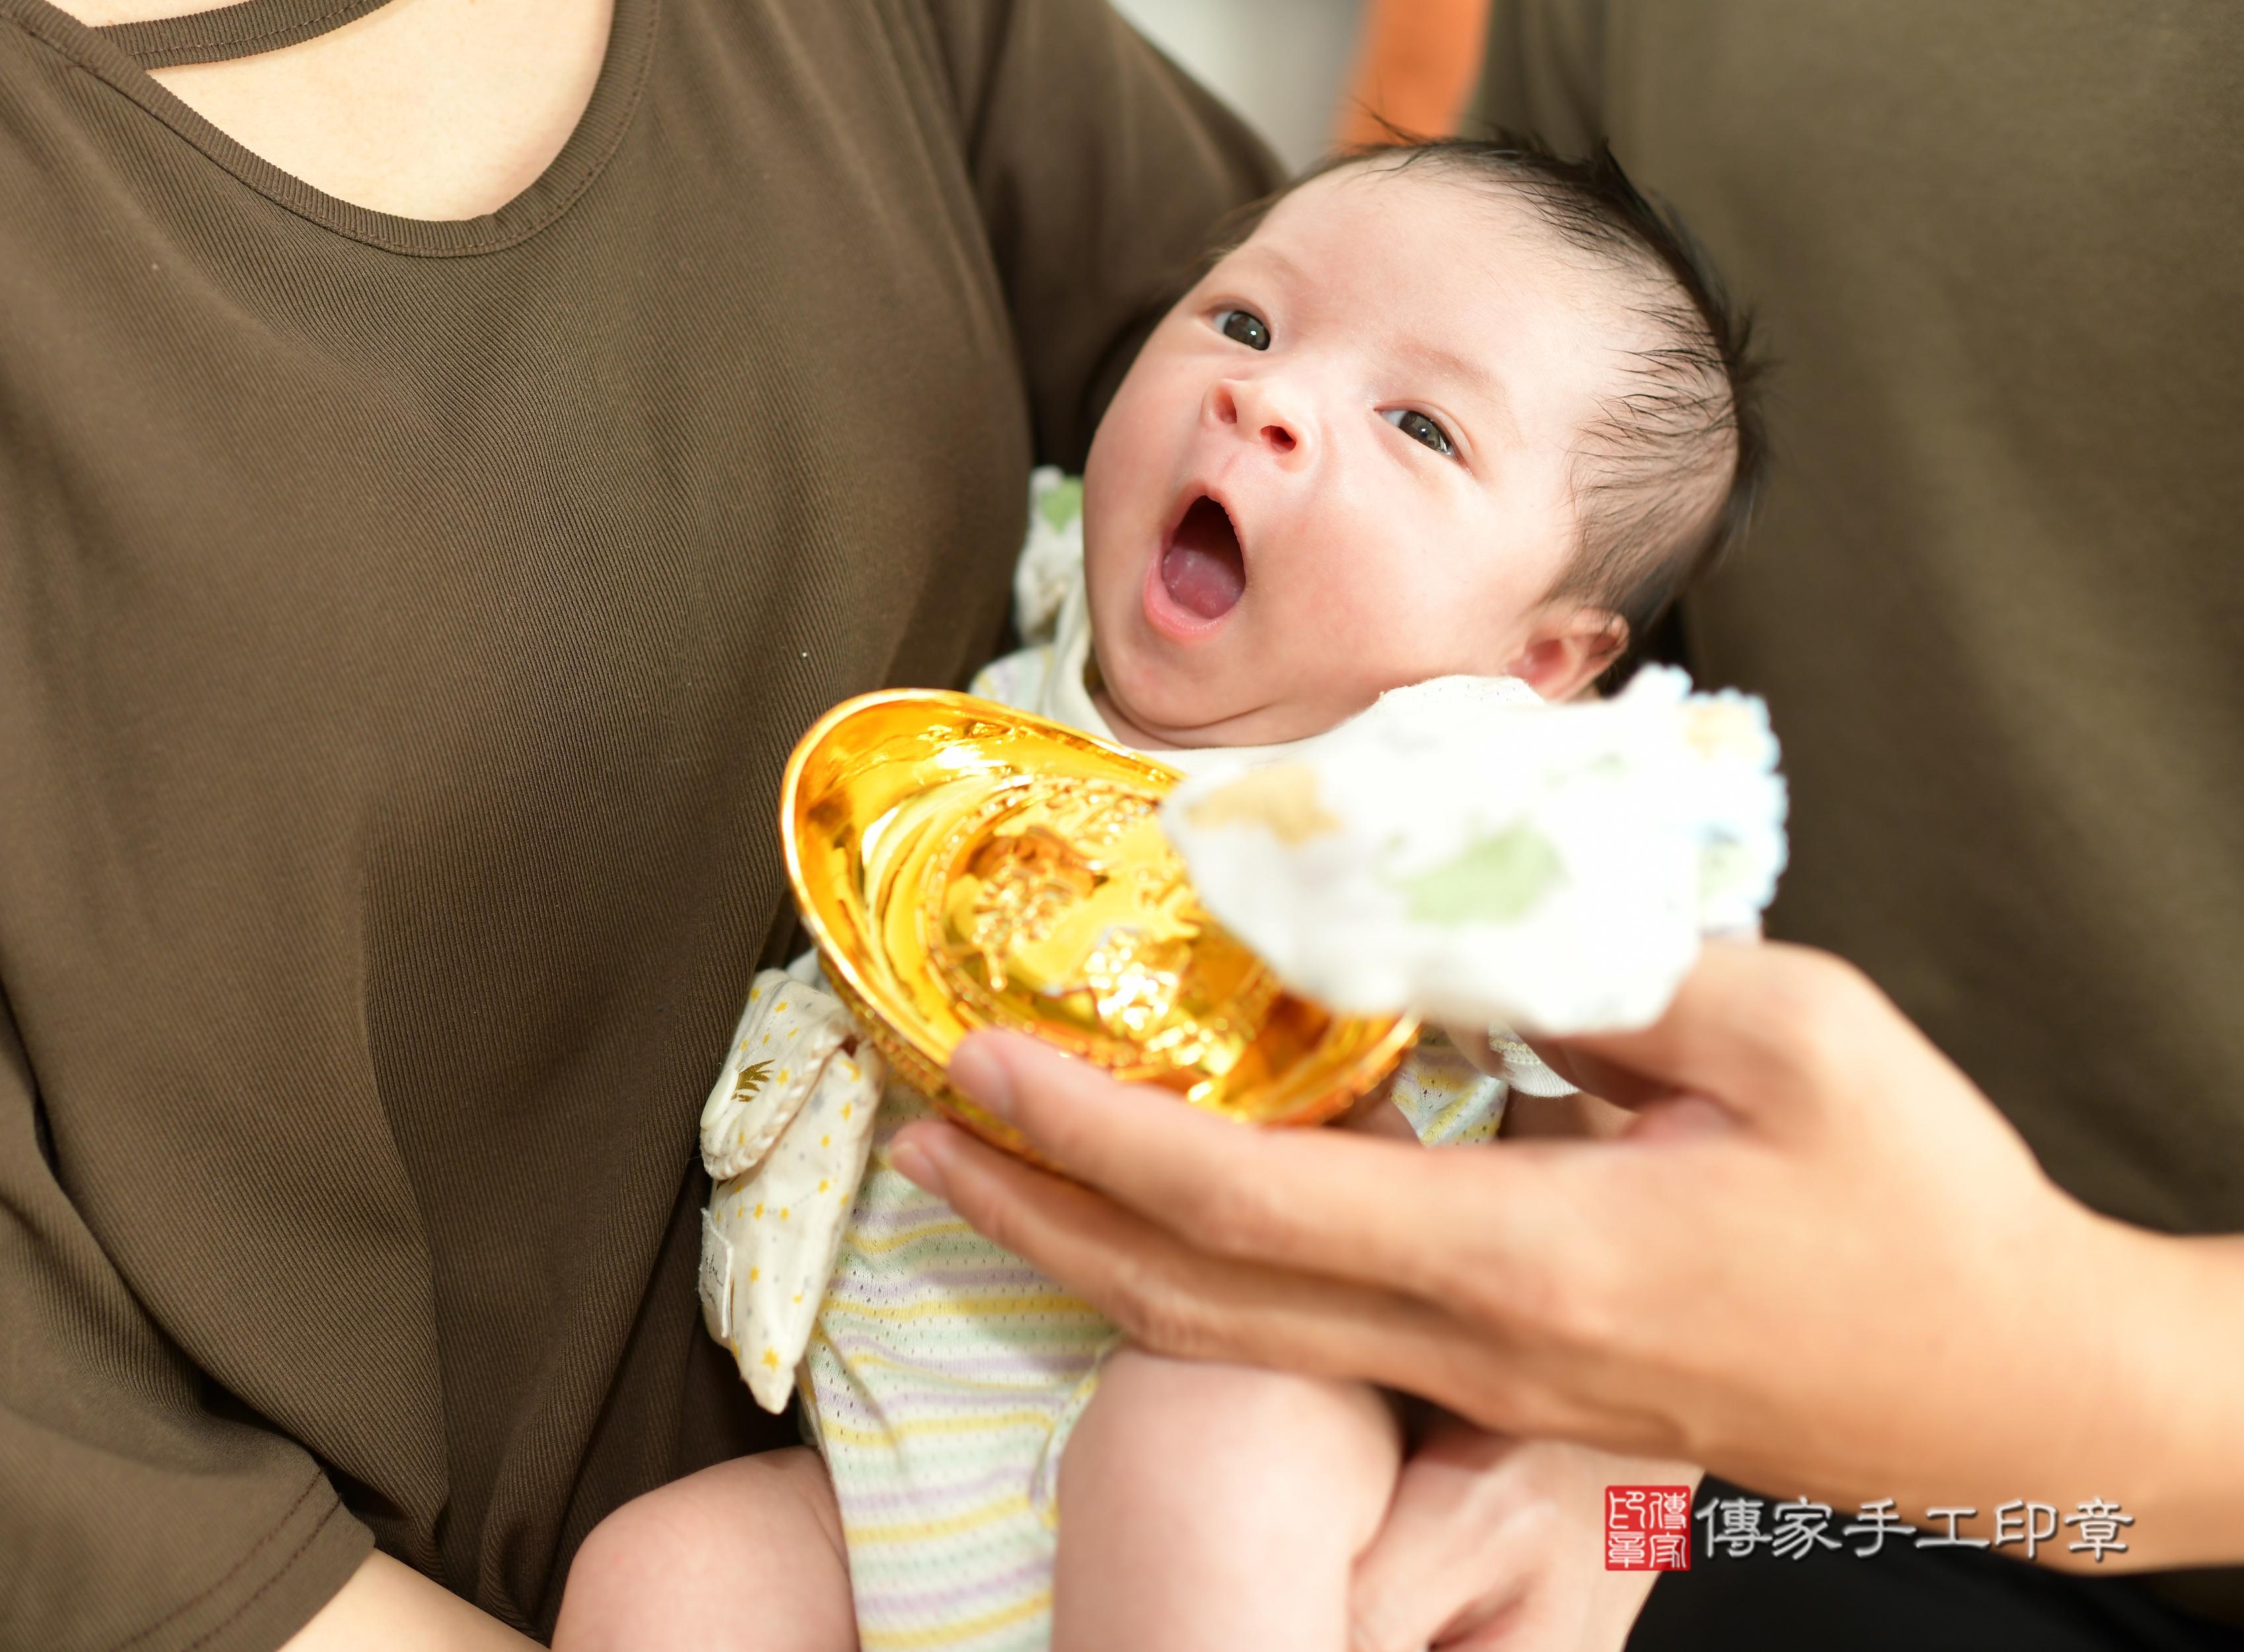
{"points": [[244, 30], [599, 130]]}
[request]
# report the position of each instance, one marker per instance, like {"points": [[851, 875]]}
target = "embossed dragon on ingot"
{"points": [[1072, 896]]}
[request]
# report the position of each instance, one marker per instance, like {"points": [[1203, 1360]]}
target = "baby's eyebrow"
{"points": [[1473, 376], [1287, 270]]}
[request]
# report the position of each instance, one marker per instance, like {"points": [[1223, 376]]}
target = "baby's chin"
{"points": [[1157, 694], [1157, 717]]}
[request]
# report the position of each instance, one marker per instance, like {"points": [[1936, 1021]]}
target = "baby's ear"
{"points": [[1567, 649]]}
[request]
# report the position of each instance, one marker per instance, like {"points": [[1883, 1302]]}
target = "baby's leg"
{"points": [[746, 1555], [1217, 1506]]}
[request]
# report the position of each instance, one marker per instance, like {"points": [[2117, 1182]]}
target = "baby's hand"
{"points": [[1496, 1542]]}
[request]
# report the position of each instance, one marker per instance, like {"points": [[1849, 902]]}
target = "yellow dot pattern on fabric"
{"points": [[1449, 1101], [770, 1245]]}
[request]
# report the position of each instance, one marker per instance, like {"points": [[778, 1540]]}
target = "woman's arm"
{"points": [[1820, 1262], [389, 1607], [133, 1511]]}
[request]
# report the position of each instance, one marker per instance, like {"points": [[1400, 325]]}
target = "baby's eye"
{"points": [[1244, 326], [1419, 428]]}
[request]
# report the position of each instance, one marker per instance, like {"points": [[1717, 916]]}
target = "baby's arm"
{"points": [[1219, 1508]]}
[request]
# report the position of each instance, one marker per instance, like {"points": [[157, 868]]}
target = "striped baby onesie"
{"points": [[945, 1373]]}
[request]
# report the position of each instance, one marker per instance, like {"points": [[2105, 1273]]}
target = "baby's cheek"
{"points": [[1371, 626]]}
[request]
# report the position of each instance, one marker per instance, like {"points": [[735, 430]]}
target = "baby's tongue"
{"points": [[1203, 569]]}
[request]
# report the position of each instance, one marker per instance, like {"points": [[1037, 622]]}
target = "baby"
{"points": [[1449, 409]]}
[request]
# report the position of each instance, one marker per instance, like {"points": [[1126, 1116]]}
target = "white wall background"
{"points": [[1280, 63]]}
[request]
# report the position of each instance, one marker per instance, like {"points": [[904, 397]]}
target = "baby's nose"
{"points": [[1264, 414]]}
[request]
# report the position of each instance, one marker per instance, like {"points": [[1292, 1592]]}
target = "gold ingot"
{"points": [[960, 865]]}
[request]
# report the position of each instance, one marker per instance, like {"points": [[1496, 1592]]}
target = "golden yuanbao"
{"points": [[961, 864]]}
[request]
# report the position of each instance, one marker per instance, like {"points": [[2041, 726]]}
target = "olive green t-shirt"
{"points": [[1995, 595], [402, 628]]}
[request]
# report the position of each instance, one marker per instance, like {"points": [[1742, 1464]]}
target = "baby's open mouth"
{"points": [[1203, 569]]}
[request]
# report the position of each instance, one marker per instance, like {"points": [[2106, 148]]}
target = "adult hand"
{"points": [[1495, 1544], [1820, 1262]]}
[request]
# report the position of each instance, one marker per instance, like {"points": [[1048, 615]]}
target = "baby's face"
{"points": [[1342, 464]]}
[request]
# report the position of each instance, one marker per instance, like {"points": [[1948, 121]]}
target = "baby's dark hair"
{"points": [[1666, 476]]}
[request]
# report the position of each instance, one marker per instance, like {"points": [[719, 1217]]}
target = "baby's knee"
{"points": [[748, 1554]]}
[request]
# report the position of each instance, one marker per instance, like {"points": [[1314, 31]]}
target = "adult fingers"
{"points": [[1762, 1030], [1332, 1202], [1505, 1536], [1451, 1556], [1598, 1076]]}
